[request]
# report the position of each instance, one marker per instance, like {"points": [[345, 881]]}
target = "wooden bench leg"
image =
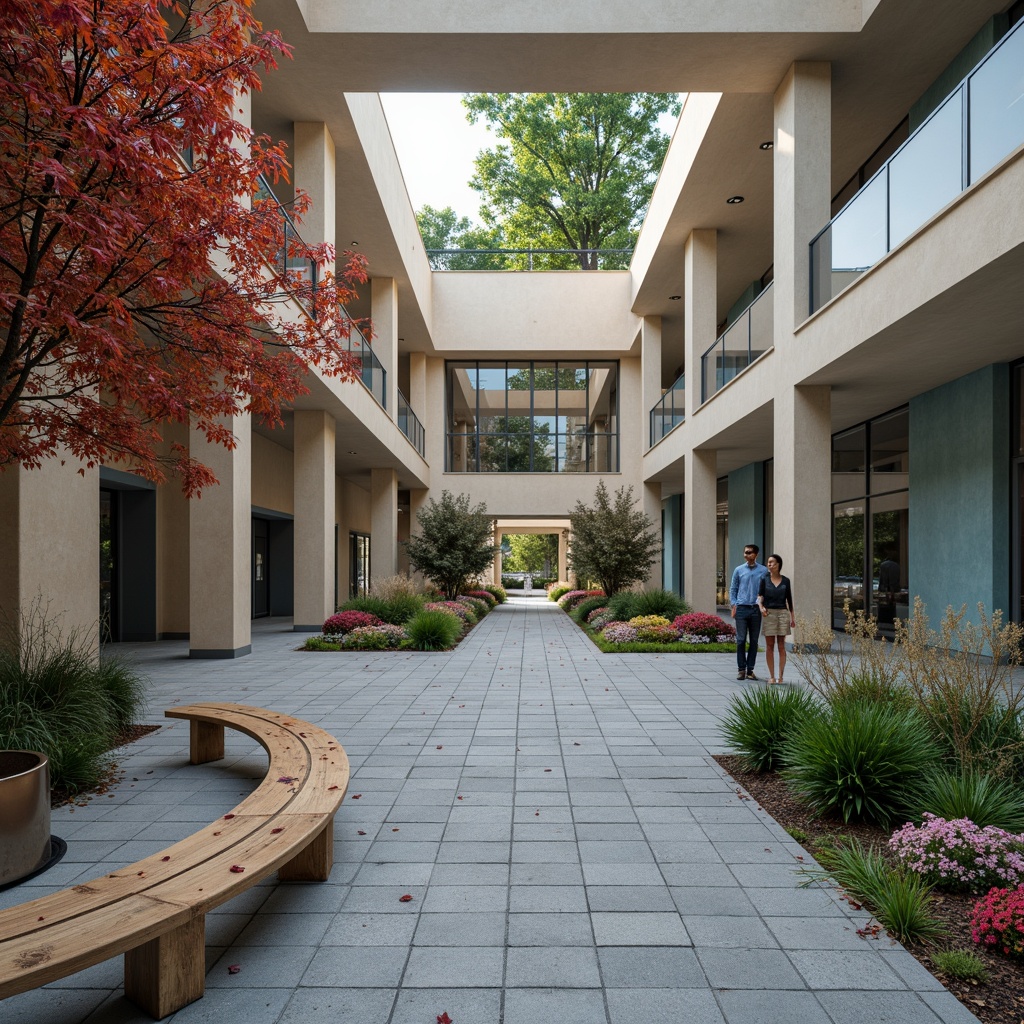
{"points": [[314, 863], [168, 972], [206, 742]]}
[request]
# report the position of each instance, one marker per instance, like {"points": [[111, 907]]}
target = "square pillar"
{"points": [[563, 555], [498, 534], [418, 384], [383, 523], [384, 316], [313, 166], [699, 530], [220, 548], [49, 546], [313, 482], [652, 509], [803, 494], [803, 186], [650, 369], [700, 307]]}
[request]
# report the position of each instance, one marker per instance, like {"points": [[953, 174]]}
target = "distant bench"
{"points": [[154, 911]]}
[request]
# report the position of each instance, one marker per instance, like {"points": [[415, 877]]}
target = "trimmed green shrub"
{"points": [[558, 591], [898, 897], [396, 610], [498, 593], [483, 595], [56, 698], [981, 798], [321, 643], [584, 608], [871, 686], [475, 605], [433, 631], [509, 583], [628, 604], [861, 761], [960, 965], [759, 720]]}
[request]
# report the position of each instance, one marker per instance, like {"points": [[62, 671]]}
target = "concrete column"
{"points": [[803, 494], [699, 527], [803, 185], [173, 511], [700, 306], [650, 370], [49, 548], [563, 555], [383, 523], [313, 162], [384, 315], [652, 509], [313, 482], [498, 534], [220, 548], [418, 385]]}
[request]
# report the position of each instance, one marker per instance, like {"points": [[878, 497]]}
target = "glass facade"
{"points": [[532, 417], [871, 518]]}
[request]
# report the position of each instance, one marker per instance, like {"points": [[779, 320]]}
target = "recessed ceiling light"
{"points": [[734, 200], [353, 242], [767, 145], [674, 298], [353, 453]]}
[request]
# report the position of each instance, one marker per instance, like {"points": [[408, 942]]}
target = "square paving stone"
{"points": [[370, 930], [545, 853], [454, 967], [629, 897], [356, 967], [662, 1006], [729, 932], [417, 1005], [552, 966], [650, 967], [225, 1006], [817, 933], [469, 898], [639, 929], [712, 901], [877, 1007], [469, 874], [622, 874], [778, 902], [333, 1005], [845, 969], [459, 929], [261, 967], [547, 874], [749, 968], [550, 930], [554, 1006], [760, 1007], [614, 852], [284, 930], [545, 898]]}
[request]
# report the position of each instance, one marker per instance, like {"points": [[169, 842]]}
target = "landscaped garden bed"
{"points": [[643, 622], [901, 769]]}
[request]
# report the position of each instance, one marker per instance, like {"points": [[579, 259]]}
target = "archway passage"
{"points": [[532, 553]]}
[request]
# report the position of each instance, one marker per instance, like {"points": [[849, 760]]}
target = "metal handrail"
{"points": [[669, 411], [409, 423], [301, 267]]}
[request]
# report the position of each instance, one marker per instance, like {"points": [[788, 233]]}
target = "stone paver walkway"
{"points": [[574, 854]]}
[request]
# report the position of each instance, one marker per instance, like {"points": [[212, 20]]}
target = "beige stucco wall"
{"points": [[172, 548], [272, 476]]}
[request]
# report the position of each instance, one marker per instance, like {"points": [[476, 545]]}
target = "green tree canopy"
{"points": [[532, 552], [455, 542], [573, 170], [612, 542], [445, 229]]}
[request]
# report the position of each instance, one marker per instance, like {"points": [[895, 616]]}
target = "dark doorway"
{"points": [[260, 568], [359, 565]]}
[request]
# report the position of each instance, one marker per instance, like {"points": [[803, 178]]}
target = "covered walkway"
{"points": [[574, 854]]}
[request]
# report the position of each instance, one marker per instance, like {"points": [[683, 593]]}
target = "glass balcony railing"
{"points": [[975, 127], [409, 423], [749, 336], [298, 270], [370, 369], [669, 411]]}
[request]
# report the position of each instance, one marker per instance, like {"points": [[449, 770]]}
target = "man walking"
{"points": [[746, 581]]}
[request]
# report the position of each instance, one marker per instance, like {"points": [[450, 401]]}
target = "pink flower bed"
{"points": [[345, 622], [620, 633], [574, 597], [702, 624], [998, 920]]}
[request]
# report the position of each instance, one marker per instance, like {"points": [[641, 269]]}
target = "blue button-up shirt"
{"points": [[746, 581]]}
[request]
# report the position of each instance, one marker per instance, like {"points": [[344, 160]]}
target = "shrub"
{"points": [[980, 798], [861, 761], [543, 582], [702, 624], [899, 898], [322, 643], [960, 965], [567, 602], [345, 622], [56, 698], [484, 595], [556, 590], [458, 613], [998, 920], [654, 629], [433, 630], [599, 619], [619, 633], [758, 721], [498, 593], [591, 604], [628, 604], [395, 610], [510, 583], [960, 856], [374, 638], [475, 605], [390, 587]]}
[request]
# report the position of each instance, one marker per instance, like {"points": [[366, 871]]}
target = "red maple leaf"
{"points": [[355, 796], [405, 899], [237, 868], [234, 969], [443, 1018]]}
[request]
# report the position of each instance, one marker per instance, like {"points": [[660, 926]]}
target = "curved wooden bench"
{"points": [[154, 910]]}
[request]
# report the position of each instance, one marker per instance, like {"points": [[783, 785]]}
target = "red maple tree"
{"points": [[140, 281]]}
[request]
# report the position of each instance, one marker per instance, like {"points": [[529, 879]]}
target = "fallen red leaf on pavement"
{"points": [[227, 816], [234, 969], [356, 796], [360, 833], [332, 787], [237, 868], [444, 1018], [439, 747], [405, 899], [394, 830], [547, 769], [165, 858], [274, 831], [458, 798]]}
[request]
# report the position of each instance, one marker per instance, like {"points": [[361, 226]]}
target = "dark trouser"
{"points": [[748, 627]]}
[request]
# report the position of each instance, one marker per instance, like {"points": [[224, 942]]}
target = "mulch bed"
{"points": [[998, 1001]]}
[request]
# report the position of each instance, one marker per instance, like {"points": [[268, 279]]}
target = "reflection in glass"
{"points": [[890, 519], [858, 234], [927, 172], [723, 571], [997, 106], [848, 560], [890, 452], [849, 464], [762, 323]]}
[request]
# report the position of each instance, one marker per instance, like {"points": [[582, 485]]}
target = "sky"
{"points": [[436, 147]]}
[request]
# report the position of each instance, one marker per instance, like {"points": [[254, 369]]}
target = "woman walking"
{"points": [[775, 599]]}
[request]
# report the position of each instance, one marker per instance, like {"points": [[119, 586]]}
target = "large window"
{"points": [[870, 519], [533, 417]]}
